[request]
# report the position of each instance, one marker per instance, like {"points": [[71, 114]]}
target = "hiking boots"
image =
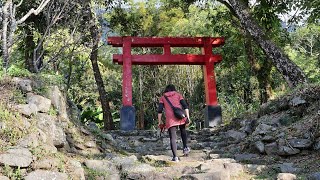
{"points": [[186, 151], [175, 159]]}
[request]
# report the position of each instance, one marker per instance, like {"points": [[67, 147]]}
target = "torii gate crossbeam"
{"points": [[207, 59]]}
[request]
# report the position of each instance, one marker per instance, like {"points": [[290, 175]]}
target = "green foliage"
{"points": [[53, 111], [12, 172], [1, 74], [288, 120], [92, 115], [18, 97], [45, 81], [305, 50], [92, 174], [16, 71], [233, 106], [268, 173], [67, 49]]}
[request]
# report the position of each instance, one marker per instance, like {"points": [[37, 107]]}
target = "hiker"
{"points": [[172, 98]]}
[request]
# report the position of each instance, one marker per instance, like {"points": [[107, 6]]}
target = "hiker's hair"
{"points": [[169, 88]]}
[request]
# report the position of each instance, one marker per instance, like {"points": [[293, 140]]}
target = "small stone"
{"points": [[271, 148], [41, 174], [84, 131], [189, 170], [259, 146], [108, 137], [90, 144], [300, 143], [297, 101], [316, 145], [268, 139], [287, 151], [315, 176], [262, 129], [287, 168], [235, 135], [245, 157], [286, 176]]}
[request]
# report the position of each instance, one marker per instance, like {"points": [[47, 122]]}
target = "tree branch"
{"points": [[228, 6], [35, 12]]}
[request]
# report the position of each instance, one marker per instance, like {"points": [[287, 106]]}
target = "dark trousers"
{"points": [[173, 138]]}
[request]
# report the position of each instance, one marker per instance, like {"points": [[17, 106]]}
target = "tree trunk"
{"points": [[263, 75], [248, 96], [5, 23], [8, 12], [28, 50], [107, 116], [290, 71]]}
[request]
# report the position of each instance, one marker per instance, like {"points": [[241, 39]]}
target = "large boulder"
{"points": [[58, 101], [27, 109], [217, 175], [76, 170], [300, 143], [48, 124], [46, 164], [43, 104], [24, 84], [46, 175], [16, 157]]}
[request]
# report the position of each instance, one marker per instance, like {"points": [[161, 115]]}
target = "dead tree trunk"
{"points": [[290, 71]]}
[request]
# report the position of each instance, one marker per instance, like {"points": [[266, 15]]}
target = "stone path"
{"points": [[201, 163]]}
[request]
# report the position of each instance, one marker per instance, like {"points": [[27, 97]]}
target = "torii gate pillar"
{"points": [[127, 111], [207, 59], [212, 114]]}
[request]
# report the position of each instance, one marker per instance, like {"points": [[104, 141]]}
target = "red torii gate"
{"points": [[207, 59]]}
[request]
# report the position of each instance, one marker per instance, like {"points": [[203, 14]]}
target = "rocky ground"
{"points": [[41, 138]]}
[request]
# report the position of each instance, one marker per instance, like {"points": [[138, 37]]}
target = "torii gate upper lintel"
{"points": [[207, 59]]}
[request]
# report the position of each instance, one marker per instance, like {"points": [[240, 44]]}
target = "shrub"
{"points": [[16, 71]]}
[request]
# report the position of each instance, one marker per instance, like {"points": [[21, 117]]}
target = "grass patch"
{"points": [[53, 111], [92, 174], [12, 126], [12, 172], [268, 173], [288, 120], [18, 97]]}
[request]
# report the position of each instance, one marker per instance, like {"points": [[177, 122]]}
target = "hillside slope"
{"points": [[41, 138]]}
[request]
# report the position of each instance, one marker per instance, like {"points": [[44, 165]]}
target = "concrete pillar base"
{"points": [[212, 116], [127, 118]]}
